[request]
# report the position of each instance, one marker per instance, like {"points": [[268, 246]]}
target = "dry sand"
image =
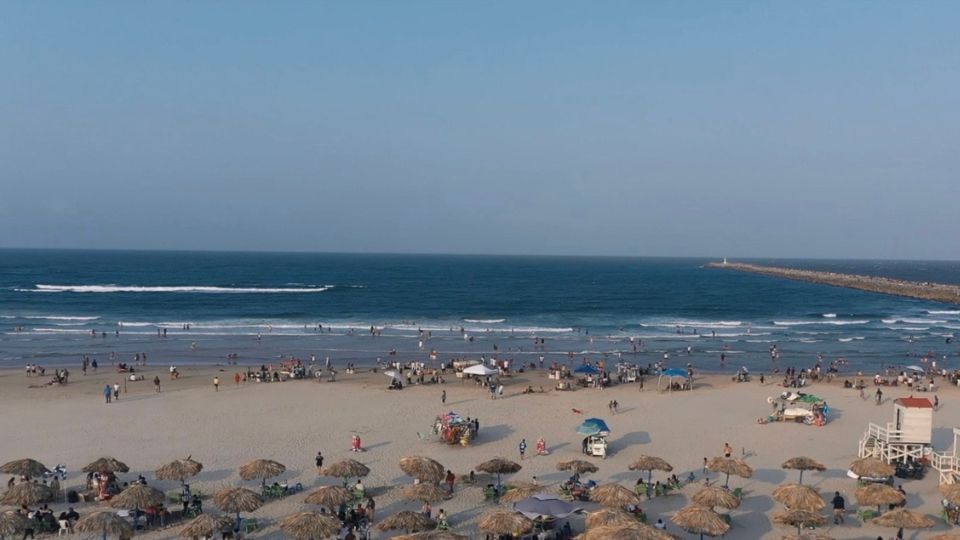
{"points": [[289, 422]]}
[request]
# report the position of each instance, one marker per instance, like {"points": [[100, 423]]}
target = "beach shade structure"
{"points": [[179, 470], [614, 495], [650, 464], [235, 500], [800, 519], [424, 492], [498, 466], [713, 496], [586, 369], [407, 521], [871, 467], [544, 506], [730, 466], [310, 526], [105, 524], [634, 531], [432, 535], [903, 518], [392, 373], [137, 496], [802, 463], [696, 519], [12, 523], [481, 370], [261, 469], [577, 466], [107, 464], [519, 491], [671, 374], [799, 497], [27, 493], [423, 468], [808, 536], [329, 497], [205, 526], [505, 522], [609, 517], [30, 468], [878, 495], [593, 426], [945, 537], [951, 492], [346, 469]]}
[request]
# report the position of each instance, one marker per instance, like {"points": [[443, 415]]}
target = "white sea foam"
{"points": [[830, 315], [171, 289], [848, 339], [484, 321], [908, 320], [943, 311], [50, 317], [834, 322], [910, 328]]}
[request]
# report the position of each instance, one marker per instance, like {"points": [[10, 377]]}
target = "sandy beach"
{"points": [[290, 421]]}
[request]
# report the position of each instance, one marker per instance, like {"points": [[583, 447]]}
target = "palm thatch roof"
{"points": [[803, 463], [799, 497], [179, 470], [24, 467], [946, 536], [408, 521], [28, 493], [424, 492], [715, 495], [650, 463], [878, 494], [809, 536], [12, 523], [329, 496], [578, 466], [872, 468], [423, 468], [729, 466], [432, 535], [610, 517], [951, 492], [635, 531], [505, 522], [701, 520], [903, 518], [347, 468], [137, 496], [104, 523], [236, 500], [499, 466], [800, 518], [204, 526], [107, 464], [261, 469], [520, 490], [310, 526], [614, 495]]}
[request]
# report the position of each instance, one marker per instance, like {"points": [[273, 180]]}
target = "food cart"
{"points": [[454, 429], [595, 432]]}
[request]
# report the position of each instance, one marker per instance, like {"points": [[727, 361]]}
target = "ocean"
{"points": [[263, 306]]}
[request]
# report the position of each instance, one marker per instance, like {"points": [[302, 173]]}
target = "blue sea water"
{"points": [[264, 305]]}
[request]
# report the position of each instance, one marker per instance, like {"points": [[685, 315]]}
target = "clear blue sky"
{"points": [[808, 129]]}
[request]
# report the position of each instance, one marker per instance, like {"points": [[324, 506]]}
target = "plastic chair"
{"points": [[250, 525]]}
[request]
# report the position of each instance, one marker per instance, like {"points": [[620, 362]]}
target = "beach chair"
{"points": [[866, 514], [359, 494], [489, 492], [250, 525], [738, 492], [565, 494], [173, 496]]}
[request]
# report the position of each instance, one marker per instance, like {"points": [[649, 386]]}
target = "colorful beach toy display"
{"points": [[454, 429]]}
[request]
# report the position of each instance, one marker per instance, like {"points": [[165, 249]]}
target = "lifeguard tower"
{"points": [[909, 436]]}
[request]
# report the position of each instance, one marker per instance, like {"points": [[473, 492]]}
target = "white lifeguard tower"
{"points": [[909, 436], [947, 463]]}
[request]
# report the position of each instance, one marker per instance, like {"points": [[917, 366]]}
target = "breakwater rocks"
{"points": [[938, 292]]}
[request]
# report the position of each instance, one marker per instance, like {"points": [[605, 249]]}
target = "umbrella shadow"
{"points": [[494, 433], [770, 476], [629, 439], [378, 445]]}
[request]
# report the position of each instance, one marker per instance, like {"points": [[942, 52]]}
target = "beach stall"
{"points": [[595, 432], [460, 365], [798, 407], [454, 429], [686, 383]]}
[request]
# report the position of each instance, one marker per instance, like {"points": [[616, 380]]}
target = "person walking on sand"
{"points": [[107, 392], [216, 384], [879, 396], [450, 479], [838, 508], [236, 378], [443, 397], [319, 459], [727, 450], [523, 448], [156, 383], [116, 391]]}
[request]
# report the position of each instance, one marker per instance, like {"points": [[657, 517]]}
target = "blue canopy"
{"points": [[586, 368], [593, 426], [674, 372]]}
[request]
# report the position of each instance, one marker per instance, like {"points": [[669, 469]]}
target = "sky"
{"points": [[741, 129]]}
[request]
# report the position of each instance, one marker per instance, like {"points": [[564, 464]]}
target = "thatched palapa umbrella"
{"points": [[520, 491], [951, 492], [432, 535], [800, 519], [808, 536], [730, 466], [423, 468], [25, 467], [609, 517], [650, 464], [714, 495], [799, 497], [310, 526], [105, 523], [635, 531], [903, 518], [872, 468], [205, 526], [504, 522], [408, 521], [107, 464], [578, 466], [614, 495], [346, 469], [261, 469], [946, 537], [12, 523], [424, 492], [137, 496], [700, 520], [878, 494], [329, 496], [236, 500], [499, 466], [27, 493], [803, 463], [179, 470]]}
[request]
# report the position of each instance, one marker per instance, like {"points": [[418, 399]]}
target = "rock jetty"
{"points": [[938, 292]]}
